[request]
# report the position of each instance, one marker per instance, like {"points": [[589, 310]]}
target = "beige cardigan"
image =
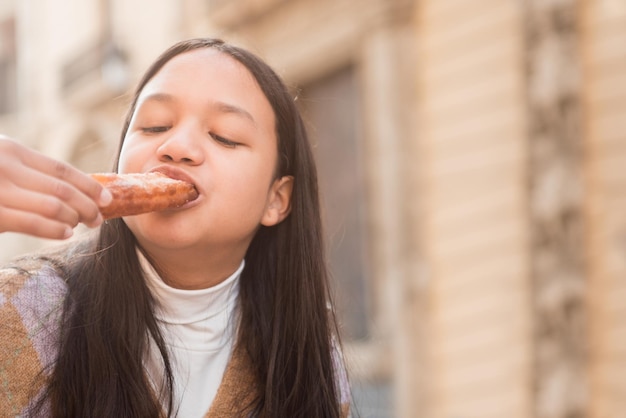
{"points": [[30, 305]]}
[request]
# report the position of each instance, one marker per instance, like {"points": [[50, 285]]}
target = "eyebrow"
{"points": [[220, 106], [230, 108]]}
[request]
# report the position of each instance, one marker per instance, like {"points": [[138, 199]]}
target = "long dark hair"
{"points": [[286, 328]]}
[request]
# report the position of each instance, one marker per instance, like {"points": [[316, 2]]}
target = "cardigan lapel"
{"points": [[237, 390]]}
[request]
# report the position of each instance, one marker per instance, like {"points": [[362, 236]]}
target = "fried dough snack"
{"points": [[137, 193]]}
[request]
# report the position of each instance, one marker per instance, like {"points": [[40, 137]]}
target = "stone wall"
{"points": [[556, 209]]}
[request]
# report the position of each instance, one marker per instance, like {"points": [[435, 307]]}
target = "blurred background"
{"points": [[472, 156]]}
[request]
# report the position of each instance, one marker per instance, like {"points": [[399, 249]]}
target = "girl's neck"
{"points": [[182, 270]]}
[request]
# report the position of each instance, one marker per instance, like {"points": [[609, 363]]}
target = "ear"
{"points": [[278, 201]]}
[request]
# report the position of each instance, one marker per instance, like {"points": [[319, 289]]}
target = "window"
{"points": [[331, 106]]}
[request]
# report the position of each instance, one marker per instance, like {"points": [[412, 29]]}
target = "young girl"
{"points": [[216, 309]]}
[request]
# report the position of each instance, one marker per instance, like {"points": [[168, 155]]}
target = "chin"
{"points": [[161, 232]]}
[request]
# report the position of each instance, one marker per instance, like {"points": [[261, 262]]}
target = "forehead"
{"points": [[201, 61], [208, 74]]}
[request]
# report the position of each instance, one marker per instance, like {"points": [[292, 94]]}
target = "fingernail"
{"points": [[68, 233], [96, 222], [105, 197]]}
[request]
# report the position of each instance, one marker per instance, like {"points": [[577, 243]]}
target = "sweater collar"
{"points": [[179, 306]]}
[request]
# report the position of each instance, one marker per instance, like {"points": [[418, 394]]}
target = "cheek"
{"points": [[122, 164], [258, 172], [131, 157], [248, 185], [124, 157]]}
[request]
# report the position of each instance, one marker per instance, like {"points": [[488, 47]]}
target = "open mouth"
{"points": [[177, 174]]}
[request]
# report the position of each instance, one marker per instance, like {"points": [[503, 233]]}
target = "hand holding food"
{"points": [[138, 193], [44, 197]]}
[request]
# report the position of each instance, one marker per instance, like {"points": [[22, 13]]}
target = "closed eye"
{"points": [[155, 129], [224, 141]]}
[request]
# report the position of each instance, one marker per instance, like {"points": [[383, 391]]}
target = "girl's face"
{"points": [[204, 118]]}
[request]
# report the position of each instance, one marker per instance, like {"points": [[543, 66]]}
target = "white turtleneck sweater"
{"points": [[199, 329]]}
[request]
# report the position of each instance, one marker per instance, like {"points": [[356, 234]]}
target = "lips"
{"points": [[176, 174]]}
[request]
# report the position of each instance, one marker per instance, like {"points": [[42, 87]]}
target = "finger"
{"points": [[12, 220], [41, 204], [35, 181], [66, 173]]}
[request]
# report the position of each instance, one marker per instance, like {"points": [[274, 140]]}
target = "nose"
{"points": [[181, 146]]}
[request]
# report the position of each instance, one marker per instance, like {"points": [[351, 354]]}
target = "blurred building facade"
{"points": [[470, 157]]}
